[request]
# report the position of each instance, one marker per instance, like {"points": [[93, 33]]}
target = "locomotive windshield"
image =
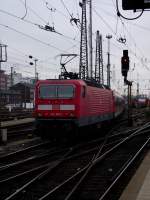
{"points": [[56, 91]]}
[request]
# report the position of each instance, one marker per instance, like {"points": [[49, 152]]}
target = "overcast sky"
{"points": [[20, 31]]}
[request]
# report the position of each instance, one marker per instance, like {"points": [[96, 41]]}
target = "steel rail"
{"points": [[3, 167], [29, 159], [12, 178], [39, 176], [94, 162], [89, 166], [87, 171], [24, 150], [124, 169]]}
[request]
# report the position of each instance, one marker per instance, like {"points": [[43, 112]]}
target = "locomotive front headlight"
{"points": [[39, 114], [72, 114]]}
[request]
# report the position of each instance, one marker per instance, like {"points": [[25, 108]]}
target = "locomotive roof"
{"points": [[62, 81], [73, 81]]}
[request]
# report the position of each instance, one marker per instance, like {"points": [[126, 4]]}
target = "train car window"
{"points": [[65, 91], [56, 91], [84, 91], [48, 91]]}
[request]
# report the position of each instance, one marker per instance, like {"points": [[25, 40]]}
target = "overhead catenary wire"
{"points": [[123, 24], [72, 19], [35, 13], [133, 40], [77, 9], [104, 21], [112, 28], [20, 18], [141, 27], [18, 66], [114, 32], [14, 57], [25, 56], [20, 53], [66, 8], [33, 38], [57, 10], [30, 22], [120, 15], [51, 11], [26, 10]]}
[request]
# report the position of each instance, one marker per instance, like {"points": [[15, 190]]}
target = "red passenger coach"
{"points": [[73, 103]]}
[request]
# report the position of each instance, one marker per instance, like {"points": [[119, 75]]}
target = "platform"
{"points": [[16, 122], [139, 186]]}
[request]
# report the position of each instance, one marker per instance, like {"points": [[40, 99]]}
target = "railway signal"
{"points": [[125, 63], [35, 66], [124, 69]]}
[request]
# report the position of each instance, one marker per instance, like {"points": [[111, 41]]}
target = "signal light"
{"points": [[125, 63], [135, 4]]}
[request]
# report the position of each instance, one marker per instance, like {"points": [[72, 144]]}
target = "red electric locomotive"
{"points": [[140, 101], [71, 103]]}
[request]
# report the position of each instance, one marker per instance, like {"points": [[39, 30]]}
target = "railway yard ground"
{"points": [[111, 166]]}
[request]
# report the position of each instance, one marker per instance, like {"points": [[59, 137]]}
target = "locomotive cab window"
{"points": [[65, 91], [56, 91], [47, 91]]}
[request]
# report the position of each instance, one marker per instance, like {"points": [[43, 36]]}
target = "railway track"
{"points": [[65, 178], [19, 134], [6, 115], [12, 116], [17, 130]]}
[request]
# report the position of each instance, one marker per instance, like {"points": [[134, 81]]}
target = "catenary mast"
{"points": [[90, 40], [83, 68], [99, 75]]}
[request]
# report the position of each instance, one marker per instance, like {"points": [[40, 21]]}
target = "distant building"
{"points": [[30, 80], [27, 92], [10, 97], [3, 80], [16, 90], [18, 78]]}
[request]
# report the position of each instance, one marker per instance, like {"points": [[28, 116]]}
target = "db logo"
{"points": [[56, 107]]}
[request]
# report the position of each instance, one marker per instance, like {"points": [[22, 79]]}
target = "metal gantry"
{"points": [[99, 75], [83, 67], [108, 62], [90, 41]]}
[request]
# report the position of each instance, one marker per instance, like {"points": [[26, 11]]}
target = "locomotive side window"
{"points": [[56, 91]]}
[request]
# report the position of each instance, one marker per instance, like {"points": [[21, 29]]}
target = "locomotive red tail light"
{"points": [[39, 114], [46, 114]]}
